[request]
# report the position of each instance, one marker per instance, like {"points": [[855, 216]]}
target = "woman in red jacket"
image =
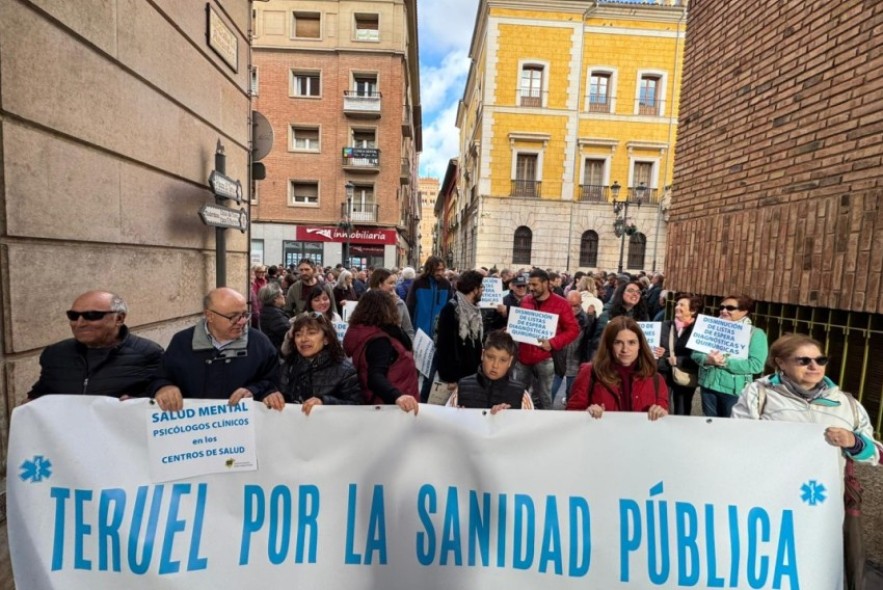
{"points": [[623, 377]]}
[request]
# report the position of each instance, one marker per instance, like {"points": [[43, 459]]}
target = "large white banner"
{"points": [[358, 498]]}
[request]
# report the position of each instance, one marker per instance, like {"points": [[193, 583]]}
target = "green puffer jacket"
{"points": [[736, 373]]}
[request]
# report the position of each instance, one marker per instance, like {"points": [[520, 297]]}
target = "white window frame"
{"points": [[294, 18], [364, 74], [605, 174], [254, 81], [359, 129], [663, 85], [254, 195], [544, 92], [356, 29], [614, 84], [291, 195], [654, 173], [292, 138], [295, 74], [527, 152]]}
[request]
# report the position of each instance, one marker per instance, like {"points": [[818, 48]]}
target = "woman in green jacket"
{"points": [[721, 377]]}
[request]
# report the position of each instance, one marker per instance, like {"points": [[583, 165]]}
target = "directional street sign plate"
{"points": [[225, 187], [218, 216]]}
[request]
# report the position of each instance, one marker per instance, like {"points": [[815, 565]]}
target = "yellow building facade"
{"points": [[568, 107]]}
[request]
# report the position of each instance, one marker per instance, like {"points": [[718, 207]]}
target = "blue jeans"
{"points": [[537, 378], [559, 402], [716, 404]]}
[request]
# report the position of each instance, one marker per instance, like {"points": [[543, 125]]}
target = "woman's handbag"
{"points": [[678, 375]]}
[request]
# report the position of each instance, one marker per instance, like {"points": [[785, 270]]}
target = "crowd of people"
{"points": [[279, 344]]}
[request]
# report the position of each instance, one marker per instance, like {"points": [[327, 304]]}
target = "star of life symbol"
{"points": [[813, 493], [36, 470]]}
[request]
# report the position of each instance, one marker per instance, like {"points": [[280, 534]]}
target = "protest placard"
{"points": [[347, 311], [730, 338], [424, 350], [652, 332], [340, 328], [528, 325], [492, 296], [206, 436]]}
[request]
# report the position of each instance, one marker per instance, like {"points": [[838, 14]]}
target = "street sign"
{"points": [[262, 136], [218, 216], [225, 187]]}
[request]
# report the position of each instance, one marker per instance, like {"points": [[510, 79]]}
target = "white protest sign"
{"points": [[316, 515], [348, 308], [424, 350], [730, 338], [340, 328], [207, 436], [528, 325], [492, 296], [652, 332]]}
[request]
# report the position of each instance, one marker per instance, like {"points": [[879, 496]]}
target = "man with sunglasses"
{"points": [[103, 357], [219, 358]]}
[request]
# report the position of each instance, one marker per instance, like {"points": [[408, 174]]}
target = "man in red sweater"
{"points": [[535, 368]]}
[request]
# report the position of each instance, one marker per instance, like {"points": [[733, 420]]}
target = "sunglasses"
{"points": [[804, 361], [318, 315], [89, 316], [729, 307]]}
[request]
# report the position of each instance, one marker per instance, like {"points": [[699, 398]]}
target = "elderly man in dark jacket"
{"points": [[219, 358], [103, 357]]}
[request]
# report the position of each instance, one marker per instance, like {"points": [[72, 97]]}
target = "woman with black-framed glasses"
{"points": [[799, 391], [721, 377]]}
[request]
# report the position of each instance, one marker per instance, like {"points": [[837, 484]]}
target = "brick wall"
{"points": [[777, 171]]}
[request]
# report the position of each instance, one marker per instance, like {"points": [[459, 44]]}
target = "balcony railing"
{"points": [[526, 188], [652, 108], [530, 98], [595, 193], [360, 212], [599, 104], [405, 172], [361, 104], [650, 195], [361, 159]]}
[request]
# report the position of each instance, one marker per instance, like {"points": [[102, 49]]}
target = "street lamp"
{"points": [[621, 225], [346, 223]]}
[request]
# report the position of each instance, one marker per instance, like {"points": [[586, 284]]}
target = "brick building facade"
{"points": [[778, 187]]}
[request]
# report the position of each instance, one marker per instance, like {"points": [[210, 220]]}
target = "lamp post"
{"points": [[346, 223], [621, 210]]}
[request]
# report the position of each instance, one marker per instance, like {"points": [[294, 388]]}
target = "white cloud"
{"points": [[443, 83], [441, 142], [445, 25]]}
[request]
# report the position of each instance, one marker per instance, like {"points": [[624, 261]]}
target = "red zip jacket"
{"points": [[644, 393], [568, 328]]}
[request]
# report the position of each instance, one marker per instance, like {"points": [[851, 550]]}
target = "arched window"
{"points": [[637, 248], [588, 249], [522, 245]]}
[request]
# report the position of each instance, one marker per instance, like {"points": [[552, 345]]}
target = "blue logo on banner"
{"points": [[36, 469], [813, 493]]}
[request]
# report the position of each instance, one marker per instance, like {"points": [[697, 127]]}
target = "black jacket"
{"points": [[333, 383], [275, 324], [200, 371], [125, 369], [457, 357], [477, 391]]}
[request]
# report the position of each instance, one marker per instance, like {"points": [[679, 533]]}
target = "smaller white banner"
{"points": [[730, 338], [528, 325], [348, 308], [207, 436], [492, 296], [340, 328], [424, 350], [652, 332]]}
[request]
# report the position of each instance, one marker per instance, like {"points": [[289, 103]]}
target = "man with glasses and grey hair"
{"points": [[103, 357], [219, 358]]}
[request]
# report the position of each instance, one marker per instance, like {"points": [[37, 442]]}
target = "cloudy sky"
{"points": [[445, 30]]}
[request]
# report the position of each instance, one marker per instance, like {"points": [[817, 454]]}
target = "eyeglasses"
{"points": [[633, 291], [234, 318], [89, 316], [729, 307], [804, 361]]}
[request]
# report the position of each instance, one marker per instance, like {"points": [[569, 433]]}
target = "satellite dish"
{"points": [[262, 136]]}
